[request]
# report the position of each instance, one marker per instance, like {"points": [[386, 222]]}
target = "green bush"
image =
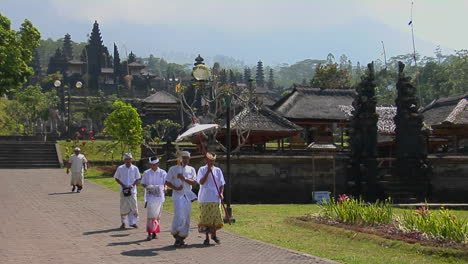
{"points": [[356, 211], [438, 224]]}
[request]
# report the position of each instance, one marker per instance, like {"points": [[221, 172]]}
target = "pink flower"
{"points": [[423, 211], [83, 129], [342, 198], [92, 138]]}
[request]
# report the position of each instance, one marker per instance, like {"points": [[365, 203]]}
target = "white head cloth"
{"points": [[154, 161], [128, 156], [77, 149], [185, 154]]}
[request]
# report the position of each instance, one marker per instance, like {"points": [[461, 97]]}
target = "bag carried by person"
{"points": [[127, 191]]}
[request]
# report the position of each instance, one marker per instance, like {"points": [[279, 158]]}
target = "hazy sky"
{"points": [[271, 30]]}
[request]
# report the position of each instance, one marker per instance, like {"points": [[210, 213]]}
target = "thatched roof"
{"points": [[262, 125], [447, 110], [385, 123], [161, 97], [307, 103], [262, 119]]}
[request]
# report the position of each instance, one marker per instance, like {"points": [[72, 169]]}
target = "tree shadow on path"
{"points": [[151, 252]]}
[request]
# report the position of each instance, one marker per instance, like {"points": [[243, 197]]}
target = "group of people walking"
{"points": [[180, 178]]}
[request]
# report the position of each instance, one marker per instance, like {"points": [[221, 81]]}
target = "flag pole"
{"points": [[414, 52], [384, 54]]}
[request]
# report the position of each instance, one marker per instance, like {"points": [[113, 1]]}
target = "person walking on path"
{"points": [[181, 178], [154, 180], [211, 182], [127, 175], [77, 164]]}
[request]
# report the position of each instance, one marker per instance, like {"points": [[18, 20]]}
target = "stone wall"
{"points": [[289, 177], [281, 179], [449, 178]]}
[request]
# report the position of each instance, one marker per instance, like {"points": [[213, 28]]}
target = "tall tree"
{"points": [[117, 65], [16, 53], [232, 78], [131, 57], [223, 77], [247, 75], [271, 81], [330, 77], [94, 53], [260, 75], [124, 124], [67, 47]]}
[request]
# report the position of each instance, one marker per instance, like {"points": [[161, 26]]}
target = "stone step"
{"points": [[28, 155]]}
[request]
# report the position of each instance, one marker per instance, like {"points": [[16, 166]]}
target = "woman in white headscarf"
{"points": [[154, 180]]}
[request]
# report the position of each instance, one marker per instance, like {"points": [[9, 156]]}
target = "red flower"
{"points": [[92, 138], [83, 129], [83, 143]]}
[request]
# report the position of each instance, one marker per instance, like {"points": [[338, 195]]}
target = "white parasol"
{"points": [[196, 128]]}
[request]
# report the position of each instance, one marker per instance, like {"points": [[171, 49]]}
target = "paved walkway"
{"points": [[41, 221]]}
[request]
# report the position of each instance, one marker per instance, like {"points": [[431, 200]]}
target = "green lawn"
{"points": [[95, 150], [274, 224]]}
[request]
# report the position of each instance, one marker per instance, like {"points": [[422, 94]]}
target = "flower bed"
{"points": [[420, 225]]}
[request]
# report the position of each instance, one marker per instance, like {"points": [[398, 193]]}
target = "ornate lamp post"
{"points": [[57, 84], [78, 85]]}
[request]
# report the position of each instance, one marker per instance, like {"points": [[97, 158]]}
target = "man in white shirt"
{"points": [[127, 175], [211, 182], [180, 178], [78, 164], [154, 180]]}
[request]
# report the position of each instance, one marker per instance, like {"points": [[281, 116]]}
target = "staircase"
{"points": [[25, 155]]}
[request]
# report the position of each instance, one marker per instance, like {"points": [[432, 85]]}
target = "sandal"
{"points": [[216, 239], [206, 242]]}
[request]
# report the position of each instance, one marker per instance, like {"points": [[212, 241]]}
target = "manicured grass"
{"points": [[95, 150], [275, 224]]}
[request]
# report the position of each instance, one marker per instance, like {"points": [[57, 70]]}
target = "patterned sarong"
{"points": [[210, 218]]}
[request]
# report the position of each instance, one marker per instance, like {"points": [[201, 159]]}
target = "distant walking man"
{"points": [[78, 164], [211, 182], [154, 180], [181, 178], [127, 175]]}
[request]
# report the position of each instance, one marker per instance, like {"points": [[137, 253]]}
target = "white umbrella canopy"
{"points": [[195, 129]]}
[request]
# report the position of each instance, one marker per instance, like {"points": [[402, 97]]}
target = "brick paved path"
{"points": [[41, 221]]}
